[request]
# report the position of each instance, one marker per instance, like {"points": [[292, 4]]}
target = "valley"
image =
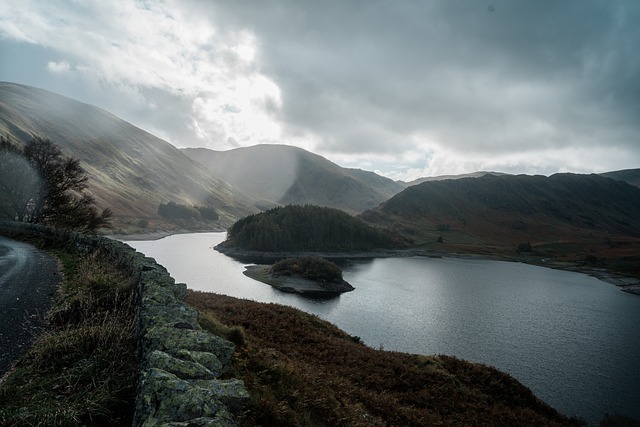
{"points": [[281, 200], [569, 219]]}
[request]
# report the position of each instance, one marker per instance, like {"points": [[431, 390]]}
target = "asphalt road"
{"points": [[29, 278]]}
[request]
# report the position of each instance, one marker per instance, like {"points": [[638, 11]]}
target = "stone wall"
{"points": [[180, 363]]}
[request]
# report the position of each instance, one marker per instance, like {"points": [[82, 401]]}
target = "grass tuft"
{"points": [[235, 334]]}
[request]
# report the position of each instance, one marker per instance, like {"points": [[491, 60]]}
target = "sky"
{"points": [[403, 88]]}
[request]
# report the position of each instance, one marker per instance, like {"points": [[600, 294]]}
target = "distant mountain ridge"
{"points": [[632, 176], [130, 170], [460, 176], [282, 174], [503, 211]]}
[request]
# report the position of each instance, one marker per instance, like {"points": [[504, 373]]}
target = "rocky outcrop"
{"points": [[180, 363]]}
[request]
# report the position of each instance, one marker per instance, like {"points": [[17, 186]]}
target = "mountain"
{"points": [[281, 174], [130, 171], [443, 177], [632, 176], [561, 212]]}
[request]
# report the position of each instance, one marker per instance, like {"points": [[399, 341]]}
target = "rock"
{"points": [[164, 398], [230, 392], [159, 295], [171, 340], [183, 369], [153, 314], [208, 360], [180, 291]]}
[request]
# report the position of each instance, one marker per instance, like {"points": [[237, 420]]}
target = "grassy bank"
{"points": [[81, 370], [302, 371]]}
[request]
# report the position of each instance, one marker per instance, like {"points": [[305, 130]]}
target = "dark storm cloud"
{"points": [[406, 87], [469, 78]]}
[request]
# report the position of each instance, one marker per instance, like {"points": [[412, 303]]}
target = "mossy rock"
{"points": [[164, 398], [183, 369], [154, 314], [171, 339]]}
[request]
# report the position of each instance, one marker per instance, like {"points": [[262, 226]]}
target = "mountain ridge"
{"points": [[282, 174]]}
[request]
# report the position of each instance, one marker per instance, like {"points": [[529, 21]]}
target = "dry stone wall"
{"points": [[180, 363]]}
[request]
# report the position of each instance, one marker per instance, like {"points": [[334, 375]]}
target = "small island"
{"points": [[304, 275]]}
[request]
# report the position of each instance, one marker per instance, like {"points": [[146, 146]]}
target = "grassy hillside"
{"points": [[565, 214], [130, 170], [302, 371], [281, 174]]}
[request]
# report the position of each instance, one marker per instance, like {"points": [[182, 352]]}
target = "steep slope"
{"points": [[130, 170], [632, 176], [280, 175], [503, 211]]}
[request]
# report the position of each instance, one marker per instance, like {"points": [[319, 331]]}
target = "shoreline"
{"points": [[375, 253], [157, 234], [625, 283]]}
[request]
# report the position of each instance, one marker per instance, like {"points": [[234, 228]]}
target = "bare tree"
{"points": [[44, 186]]}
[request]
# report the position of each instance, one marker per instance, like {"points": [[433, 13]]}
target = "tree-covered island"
{"points": [[304, 229], [303, 275]]}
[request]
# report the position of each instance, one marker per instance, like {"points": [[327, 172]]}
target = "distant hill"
{"points": [[443, 177], [632, 176], [503, 211], [130, 171], [281, 174]]}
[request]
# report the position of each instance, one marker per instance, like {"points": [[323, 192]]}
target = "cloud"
{"points": [[434, 86], [141, 49], [58, 67]]}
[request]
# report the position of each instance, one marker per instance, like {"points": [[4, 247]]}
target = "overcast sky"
{"points": [[403, 88]]}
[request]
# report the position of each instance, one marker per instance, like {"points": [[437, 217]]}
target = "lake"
{"points": [[571, 338]]}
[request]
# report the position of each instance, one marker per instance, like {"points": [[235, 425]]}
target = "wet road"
{"points": [[29, 278]]}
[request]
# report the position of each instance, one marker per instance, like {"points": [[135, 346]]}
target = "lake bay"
{"points": [[571, 338]]}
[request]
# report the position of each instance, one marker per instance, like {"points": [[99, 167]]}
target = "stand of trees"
{"points": [[306, 228], [312, 268], [173, 210], [38, 184]]}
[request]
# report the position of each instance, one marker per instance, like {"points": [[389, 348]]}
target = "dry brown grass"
{"points": [[302, 371]]}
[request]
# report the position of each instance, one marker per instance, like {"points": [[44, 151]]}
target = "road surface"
{"points": [[28, 281]]}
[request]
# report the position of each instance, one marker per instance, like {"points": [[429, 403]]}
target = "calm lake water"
{"points": [[571, 338]]}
